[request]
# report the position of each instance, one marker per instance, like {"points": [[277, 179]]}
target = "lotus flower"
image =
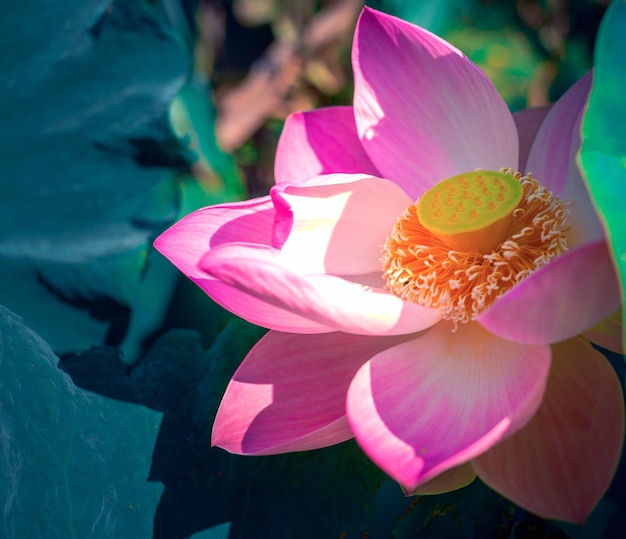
{"points": [[426, 295]]}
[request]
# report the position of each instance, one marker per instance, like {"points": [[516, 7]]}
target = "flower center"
{"points": [[470, 239], [471, 211]]}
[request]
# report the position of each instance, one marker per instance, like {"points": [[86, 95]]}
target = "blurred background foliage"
{"points": [[272, 57], [119, 117]]}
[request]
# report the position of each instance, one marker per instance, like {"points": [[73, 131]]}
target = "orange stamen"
{"points": [[421, 267]]}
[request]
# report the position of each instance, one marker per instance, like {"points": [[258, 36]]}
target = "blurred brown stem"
{"points": [[242, 110]]}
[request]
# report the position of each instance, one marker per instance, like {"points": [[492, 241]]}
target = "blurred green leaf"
{"points": [[192, 119], [72, 464], [603, 151], [451, 15], [505, 55]]}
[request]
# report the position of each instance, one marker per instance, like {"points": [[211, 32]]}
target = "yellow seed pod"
{"points": [[471, 211]]}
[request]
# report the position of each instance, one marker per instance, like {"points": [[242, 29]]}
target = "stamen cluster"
{"points": [[421, 268]]}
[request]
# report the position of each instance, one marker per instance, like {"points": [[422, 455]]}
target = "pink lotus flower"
{"points": [[445, 335]]}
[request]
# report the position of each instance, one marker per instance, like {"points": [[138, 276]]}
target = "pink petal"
{"points": [[289, 393], [331, 301], [258, 312], [185, 242], [562, 462], [320, 142], [609, 333], [553, 161], [452, 479], [549, 154], [188, 240], [423, 110], [528, 122], [336, 223], [558, 301], [441, 399]]}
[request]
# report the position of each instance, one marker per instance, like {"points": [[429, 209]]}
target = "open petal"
{"points": [[562, 462], [452, 479], [188, 240], [528, 122], [438, 401], [558, 301], [423, 110], [320, 142], [609, 333], [336, 223], [289, 393], [332, 301], [549, 154]]}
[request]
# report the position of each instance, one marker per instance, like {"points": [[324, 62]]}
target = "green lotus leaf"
{"points": [[73, 464]]}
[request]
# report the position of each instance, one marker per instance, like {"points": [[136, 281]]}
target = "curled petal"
{"points": [[558, 301], [191, 238], [562, 462], [332, 301], [289, 393], [443, 398], [336, 223], [320, 142], [423, 110]]}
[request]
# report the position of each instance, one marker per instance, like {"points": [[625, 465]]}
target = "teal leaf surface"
{"points": [[73, 464], [87, 163]]}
